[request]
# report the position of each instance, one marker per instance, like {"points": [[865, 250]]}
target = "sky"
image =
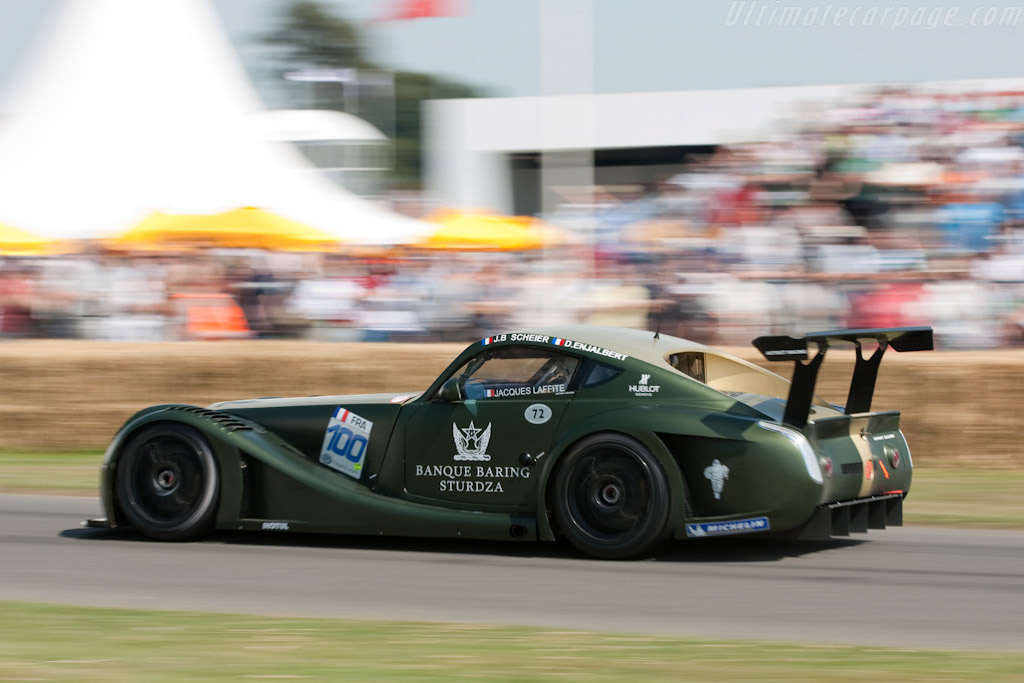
{"points": [[505, 47]]}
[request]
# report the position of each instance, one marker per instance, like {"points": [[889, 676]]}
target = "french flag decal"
{"points": [[557, 341], [490, 393], [340, 413], [485, 342]]}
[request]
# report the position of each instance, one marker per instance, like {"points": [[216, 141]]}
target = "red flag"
{"points": [[418, 9]]}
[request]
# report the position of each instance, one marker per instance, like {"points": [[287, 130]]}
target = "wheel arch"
{"points": [[224, 452], [621, 422]]}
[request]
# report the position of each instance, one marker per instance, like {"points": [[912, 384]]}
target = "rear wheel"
{"points": [[167, 482], [611, 497]]}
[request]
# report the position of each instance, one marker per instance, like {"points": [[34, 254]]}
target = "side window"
{"points": [[511, 372], [689, 363], [599, 373]]}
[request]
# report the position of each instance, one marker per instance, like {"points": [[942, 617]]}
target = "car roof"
{"points": [[639, 344]]}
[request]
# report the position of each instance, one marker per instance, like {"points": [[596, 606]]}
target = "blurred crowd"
{"points": [[904, 208]]}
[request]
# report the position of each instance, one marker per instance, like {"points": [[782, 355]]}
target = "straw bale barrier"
{"points": [[55, 395]]}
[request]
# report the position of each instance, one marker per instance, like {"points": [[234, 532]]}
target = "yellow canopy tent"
{"points": [[470, 231], [17, 242], [246, 228]]}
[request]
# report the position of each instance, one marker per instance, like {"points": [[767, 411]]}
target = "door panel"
{"points": [[482, 448], [470, 452]]}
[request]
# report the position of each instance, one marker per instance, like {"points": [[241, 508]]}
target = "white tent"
{"points": [[300, 125], [130, 107]]}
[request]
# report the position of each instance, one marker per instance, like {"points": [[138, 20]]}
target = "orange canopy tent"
{"points": [[17, 242], [471, 231], [246, 228]]}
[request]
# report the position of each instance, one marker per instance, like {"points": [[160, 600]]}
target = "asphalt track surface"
{"points": [[903, 587]]}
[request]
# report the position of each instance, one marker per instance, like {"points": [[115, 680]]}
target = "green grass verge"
{"points": [[992, 499], [75, 473], [50, 642], [958, 497]]}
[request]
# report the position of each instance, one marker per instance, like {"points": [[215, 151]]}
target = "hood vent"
{"points": [[225, 421]]}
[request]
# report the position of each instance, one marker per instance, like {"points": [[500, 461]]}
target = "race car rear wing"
{"points": [[865, 371]]}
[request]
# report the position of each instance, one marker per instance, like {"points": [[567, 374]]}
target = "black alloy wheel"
{"points": [[167, 482], [611, 497]]}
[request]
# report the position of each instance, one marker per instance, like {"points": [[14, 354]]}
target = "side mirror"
{"points": [[450, 391]]}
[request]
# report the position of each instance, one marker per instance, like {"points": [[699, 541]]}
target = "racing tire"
{"points": [[168, 483], [611, 498]]}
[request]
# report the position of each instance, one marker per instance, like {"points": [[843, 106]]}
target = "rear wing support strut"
{"points": [[801, 390], [865, 371], [865, 374]]}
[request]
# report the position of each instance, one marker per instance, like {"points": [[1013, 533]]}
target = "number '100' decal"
{"points": [[345, 443]]}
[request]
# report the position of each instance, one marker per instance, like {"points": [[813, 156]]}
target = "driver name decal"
{"points": [[470, 443], [516, 337], [589, 348], [345, 442], [557, 341], [525, 391]]}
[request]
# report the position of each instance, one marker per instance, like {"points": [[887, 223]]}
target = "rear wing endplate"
{"points": [[865, 372]]}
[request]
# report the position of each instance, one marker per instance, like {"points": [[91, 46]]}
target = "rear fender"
{"points": [[644, 425]]}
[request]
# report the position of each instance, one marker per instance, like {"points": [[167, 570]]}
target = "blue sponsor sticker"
{"points": [[736, 526]]}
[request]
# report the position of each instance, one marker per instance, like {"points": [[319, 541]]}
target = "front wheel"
{"points": [[611, 497], [167, 482]]}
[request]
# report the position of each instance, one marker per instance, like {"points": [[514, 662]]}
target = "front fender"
{"points": [[222, 431], [307, 497]]}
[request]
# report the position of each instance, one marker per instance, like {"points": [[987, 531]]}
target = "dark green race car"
{"points": [[615, 439]]}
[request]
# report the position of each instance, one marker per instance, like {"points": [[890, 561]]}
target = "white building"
{"points": [[488, 153]]}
